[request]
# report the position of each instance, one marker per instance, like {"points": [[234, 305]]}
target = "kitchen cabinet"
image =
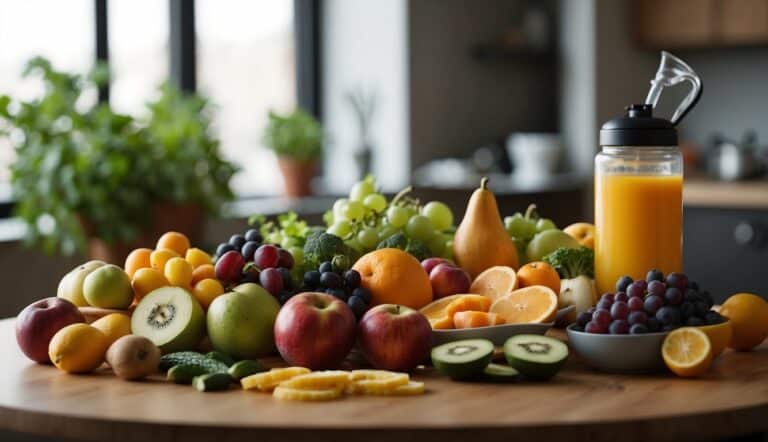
{"points": [[680, 24]]}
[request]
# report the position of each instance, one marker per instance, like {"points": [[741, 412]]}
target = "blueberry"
{"points": [[237, 241], [366, 296], [673, 296], [326, 267], [654, 275], [357, 305], [619, 327], [253, 235], [583, 318], [668, 315], [248, 249], [224, 248], [654, 325], [287, 278], [352, 279], [694, 321], [330, 280], [623, 283], [338, 293], [638, 329], [312, 279]]}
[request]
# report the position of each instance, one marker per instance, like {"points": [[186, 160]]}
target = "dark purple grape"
{"points": [[594, 327], [701, 308], [604, 304], [602, 317], [687, 309], [668, 315], [229, 267], [678, 280], [285, 259], [654, 275], [363, 294], [673, 296], [223, 248], [636, 290], [693, 285], [352, 279], [284, 296], [250, 274], [583, 318], [326, 267], [656, 288], [652, 304], [338, 293], [266, 257], [638, 329], [623, 283], [691, 296], [694, 321], [654, 325], [287, 278], [619, 310], [312, 279], [237, 241], [643, 285], [577, 327], [619, 327], [271, 280], [253, 235], [591, 310], [637, 317], [358, 306], [668, 328], [248, 249], [707, 298], [635, 304], [608, 296], [620, 296], [713, 318], [330, 280]]}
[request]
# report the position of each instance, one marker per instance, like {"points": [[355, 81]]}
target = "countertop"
{"points": [[701, 192]]}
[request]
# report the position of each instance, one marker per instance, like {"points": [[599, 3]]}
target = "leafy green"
{"points": [[297, 135], [413, 246], [288, 230], [321, 246], [571, 263]]}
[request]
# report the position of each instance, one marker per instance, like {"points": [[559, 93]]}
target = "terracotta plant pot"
{"points": [[297, 176], [187, 219]]}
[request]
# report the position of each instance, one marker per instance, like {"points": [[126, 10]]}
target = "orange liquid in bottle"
{"points": [[639, 226]]}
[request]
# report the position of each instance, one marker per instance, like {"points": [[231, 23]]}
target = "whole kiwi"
{"points": [[133, 357]]}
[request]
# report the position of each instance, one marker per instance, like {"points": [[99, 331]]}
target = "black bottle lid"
{"points": [[638, 127]]}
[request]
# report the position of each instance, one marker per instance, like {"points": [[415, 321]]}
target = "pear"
{"points": [[481, 241], [71, 285]]}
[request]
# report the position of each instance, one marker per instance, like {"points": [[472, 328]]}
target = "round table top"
{"points": [[578, 404]]}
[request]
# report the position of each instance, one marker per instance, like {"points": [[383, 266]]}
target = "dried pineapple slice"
{"points": [[267, 381], [377, 382], [410, 389], [295, 394], [319, 380]]}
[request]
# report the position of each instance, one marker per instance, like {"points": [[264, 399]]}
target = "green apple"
{"points": [[71, 285], [547, 242], [241, 323], [108, 287]]}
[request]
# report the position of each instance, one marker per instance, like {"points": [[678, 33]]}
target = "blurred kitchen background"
{"points": [[433, 93]]}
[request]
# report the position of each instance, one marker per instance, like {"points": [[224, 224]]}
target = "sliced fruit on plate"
{"points": [[499, 373], [495, 282], [462, 359], [267, 381], [444, 323], [472, 319], [171, 318], [535, 356], [478, 303], [295, 394], [687, 352], [534, 304], [319, 380], [438, 314]]}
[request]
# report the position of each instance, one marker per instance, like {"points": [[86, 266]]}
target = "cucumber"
{"points": [[463, 359], [180, 357], [221, 357], [499, 373], [185, 373], [212, 382], [534, 356], [245, 368]]}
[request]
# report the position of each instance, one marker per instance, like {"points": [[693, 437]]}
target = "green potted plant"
{"points": [[297, 140], [87, 178]]}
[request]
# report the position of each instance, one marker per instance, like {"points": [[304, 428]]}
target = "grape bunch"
{"points": [[523, 227], [341, 283], [655, 304]]}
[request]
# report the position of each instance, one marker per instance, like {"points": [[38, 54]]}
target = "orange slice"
{"points": [[435, 312], [471, 319], [534, 304], [476, 303], [687, 352], [443, 323], [495, 282]]}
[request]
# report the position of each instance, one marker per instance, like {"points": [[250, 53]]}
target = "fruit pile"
{"points": [[345, 285], [537, 237], [655, 304]]}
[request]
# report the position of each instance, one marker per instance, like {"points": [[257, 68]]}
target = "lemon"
{"points": [[78, 348], [687, 352]]}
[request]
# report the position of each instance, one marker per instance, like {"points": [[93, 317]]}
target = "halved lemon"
{"points": [[687, 352], [495, 282], [534, 304]]}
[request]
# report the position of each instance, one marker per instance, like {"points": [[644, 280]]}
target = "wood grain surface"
{"points": [[579, 404]]}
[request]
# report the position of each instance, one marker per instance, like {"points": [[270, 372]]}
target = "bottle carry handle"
{"points": [[673, 71]]}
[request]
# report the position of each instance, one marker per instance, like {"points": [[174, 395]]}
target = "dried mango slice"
{"points": [[295, 394], [267, 381], [319, 380]]}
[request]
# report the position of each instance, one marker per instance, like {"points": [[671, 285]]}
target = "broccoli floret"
{"points": [[418, 249], [322, 246], [396, 241], [571, 263], [413, 246]]}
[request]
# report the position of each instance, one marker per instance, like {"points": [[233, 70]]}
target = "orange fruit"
{"points": [[534, 304], [584, 233], [748, 315], [206, 291], [178, 242], [137, 259], [78, 348], [687, 351], [197, 257], [478, 303], [205, 271], [539, 273], [159, 257], [178, 272], [472, 319], [719, 336], [394, 277], [147, 280], [114, 326], [495, 282]]}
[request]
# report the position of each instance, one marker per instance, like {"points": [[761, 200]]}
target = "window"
{"points": [[245, 65]]}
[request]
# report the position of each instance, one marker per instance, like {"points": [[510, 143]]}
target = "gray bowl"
{"points": [[619, 353]]}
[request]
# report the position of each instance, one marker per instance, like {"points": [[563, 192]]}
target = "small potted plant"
{"points": [[297, 140], [88, 179]]}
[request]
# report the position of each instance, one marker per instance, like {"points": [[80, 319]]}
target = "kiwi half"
{"points": [[171, 318], [463, 359], [534, 356]]}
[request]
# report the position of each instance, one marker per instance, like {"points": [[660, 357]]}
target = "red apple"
{"points": [[39, 321], [430, 263], [394, 337], [448, 280], [315, 330]]}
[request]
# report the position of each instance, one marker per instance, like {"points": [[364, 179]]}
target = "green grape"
{"points": [[448, 250], [398, 216], [353, 211], [440, 214], [375, 202], [275, 238], [387, 231], [328, 218], [355, 244], [361, 189], [368, 238], [436, 245], [338, 206], [545, 224], [420, 227], [298, 255], [340, 228], [520, 227], [289, 242]]}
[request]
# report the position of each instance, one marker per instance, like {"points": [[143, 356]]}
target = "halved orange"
{"points": [[687, 351], [534, 304], [495, 282]]}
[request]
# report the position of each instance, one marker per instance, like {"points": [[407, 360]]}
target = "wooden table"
{"points": [[578, 404]]}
